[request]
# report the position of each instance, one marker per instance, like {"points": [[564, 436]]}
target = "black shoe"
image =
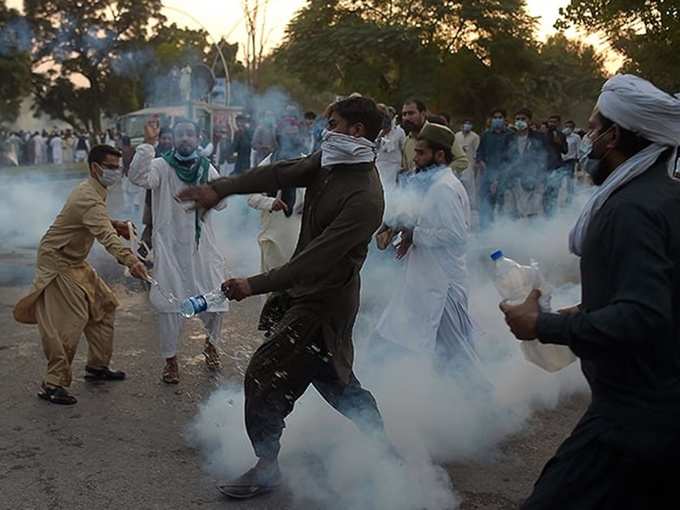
{"points": [[103, 374], [56, 395], [254, 482]]}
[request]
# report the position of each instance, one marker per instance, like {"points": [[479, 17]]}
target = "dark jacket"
{"points": [[628, 332], [556, 144], [242, 145], [343, 208], [528, 167], [493, 149]]}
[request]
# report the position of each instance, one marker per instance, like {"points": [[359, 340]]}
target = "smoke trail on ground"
{"points": [[432, 416]]}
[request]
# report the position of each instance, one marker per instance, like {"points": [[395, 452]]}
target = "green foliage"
{"points": [[646, 33], [461, 57], [15, 63], [109, 56], [76, 44]]}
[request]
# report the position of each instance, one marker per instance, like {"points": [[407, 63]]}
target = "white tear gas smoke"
{"points": [[28, 205], [433, 417]]}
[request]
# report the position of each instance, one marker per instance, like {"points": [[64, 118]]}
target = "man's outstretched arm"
{"points": [[297, 173]]}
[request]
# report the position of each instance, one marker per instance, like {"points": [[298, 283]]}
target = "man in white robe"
{"points": [[390, 145], [429, 311], [57, 149], [186, 258]]}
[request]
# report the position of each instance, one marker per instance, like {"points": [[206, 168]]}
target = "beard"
{"points": [[162, 147], [426, 164], [186, 149], [599, 175], [409, 127]]}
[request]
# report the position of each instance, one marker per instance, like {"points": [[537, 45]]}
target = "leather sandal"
{"points": [[212, 357], [56, 395], [171, 373]]}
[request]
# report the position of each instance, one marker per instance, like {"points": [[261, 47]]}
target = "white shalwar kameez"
{"points": [[279, 235], [429, 311], [57, 150], [180, 267], [388, 156]]}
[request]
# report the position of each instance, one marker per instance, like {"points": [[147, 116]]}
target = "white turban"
{"points": [[640, 107]]}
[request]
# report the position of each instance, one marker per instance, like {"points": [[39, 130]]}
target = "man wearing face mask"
{"points": [[311, 342], [491, 162], [625, 451], [186, 259], [68, 298], [468, 140], [527, 161]]}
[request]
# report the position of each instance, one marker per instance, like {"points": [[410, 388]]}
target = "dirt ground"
{"points": [[122, 445]]}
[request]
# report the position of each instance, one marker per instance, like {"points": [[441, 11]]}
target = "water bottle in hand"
{"points": [[515, 281], [203, 302]]}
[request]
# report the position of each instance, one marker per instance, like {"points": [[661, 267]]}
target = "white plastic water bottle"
{"points": [[203, 302], [515, 281]]}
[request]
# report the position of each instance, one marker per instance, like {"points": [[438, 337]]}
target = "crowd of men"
{"points": [[23, 148], [512, 166], [625, 331], [516, 167]]}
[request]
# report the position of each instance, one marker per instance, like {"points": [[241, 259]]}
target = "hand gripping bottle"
{"points": [[514, 283], [203, 302]]}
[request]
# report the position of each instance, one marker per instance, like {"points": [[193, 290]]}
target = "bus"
{"points": [[208, 116]]}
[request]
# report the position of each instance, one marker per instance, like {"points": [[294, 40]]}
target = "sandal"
{"points": [[171, 373], [103, 374], [56, 395], [212, 357]]}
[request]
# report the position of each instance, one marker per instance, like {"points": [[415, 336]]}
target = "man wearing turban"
{"points": [[624, 452]]}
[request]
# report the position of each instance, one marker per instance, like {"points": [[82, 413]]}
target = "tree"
{"points": [[567, 79], [255, 16], [647, 34], [15, 62], [75, 44], [460, 57], [444, 52]]}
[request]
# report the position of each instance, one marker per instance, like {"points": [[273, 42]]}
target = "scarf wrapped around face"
{"points": [[640, 107], [341, 149], [193, 172]]}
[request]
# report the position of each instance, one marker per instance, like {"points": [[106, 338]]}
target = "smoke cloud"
{"points": [[432, 416]]}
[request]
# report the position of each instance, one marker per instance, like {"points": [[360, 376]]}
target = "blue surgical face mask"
{"points": [[497, 123], [467, 127], [110, 176]]}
